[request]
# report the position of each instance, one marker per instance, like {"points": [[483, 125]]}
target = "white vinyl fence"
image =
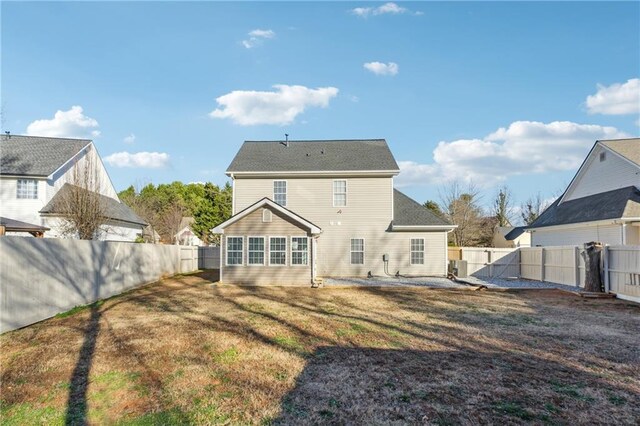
{"points": [[558, 264], [491, 262], [41, 277]]}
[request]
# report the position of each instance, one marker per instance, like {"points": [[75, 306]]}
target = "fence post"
{"points": [[489, 259], [541, 263], [576, 261], [605, 257]]}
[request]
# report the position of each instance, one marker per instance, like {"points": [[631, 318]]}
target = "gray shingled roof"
{"points": [[628, 148], [12, 225], [307, 156], [616, 204], [407, 212], [114, 210], [35, 155], [514, 233]]}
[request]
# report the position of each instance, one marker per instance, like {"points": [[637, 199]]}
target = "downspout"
{"points": [[233, 194], [623, 229]]}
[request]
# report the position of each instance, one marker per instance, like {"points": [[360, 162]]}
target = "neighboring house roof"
{"points": [[615, 204], [628, 148], [186, 222], [409, 213], [314, 229], [514, 233], [36, 156], [12, 225], [114, 209], [314, 156]]}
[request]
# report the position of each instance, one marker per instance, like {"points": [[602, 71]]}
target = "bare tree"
{"points": [[503, 207], [170, 219], [461, 206], [531, 209], [81, 206]]}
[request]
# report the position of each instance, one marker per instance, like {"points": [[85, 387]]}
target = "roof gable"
{"points": [[615, 172], [36, 156], [114, 209], [314, 229], [627, 148], [314, 156]]}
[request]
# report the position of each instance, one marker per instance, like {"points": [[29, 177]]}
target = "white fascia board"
{"points": [[315, 173], [265, 201]]}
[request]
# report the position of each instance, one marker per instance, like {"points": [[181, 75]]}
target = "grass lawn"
{"points": [[183, 351]]}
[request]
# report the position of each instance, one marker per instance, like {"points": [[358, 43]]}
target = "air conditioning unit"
{"points": [[458, 268]]}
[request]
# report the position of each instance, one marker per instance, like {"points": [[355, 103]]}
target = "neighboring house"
{"points": [[37, 172], [185, 236], [511, 237], [307, 209], [602, 202]]}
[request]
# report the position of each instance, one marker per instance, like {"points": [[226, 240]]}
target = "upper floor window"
{"points": [[27, 188], [280, 192], [339, 193]]}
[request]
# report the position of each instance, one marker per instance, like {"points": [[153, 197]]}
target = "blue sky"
{"points": [[495, 93]]}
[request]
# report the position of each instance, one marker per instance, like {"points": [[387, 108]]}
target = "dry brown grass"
{"points": [[184, 351]]}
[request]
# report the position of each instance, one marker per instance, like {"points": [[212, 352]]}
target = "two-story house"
{"points": [[37, 173], [307, 209], [602, 202]]}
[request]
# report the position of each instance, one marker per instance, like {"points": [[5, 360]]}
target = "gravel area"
{"points": [[441, 282]]}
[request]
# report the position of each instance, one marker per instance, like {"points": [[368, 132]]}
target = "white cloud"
{"points": [[525, 147], [279, 107], [380, 68], [389, 8], [617, 99], [66, 124], [129, 139], [257, 37], [145, 160]]}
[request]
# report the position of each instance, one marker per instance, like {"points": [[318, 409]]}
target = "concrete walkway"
{"points": [[441, 282]]}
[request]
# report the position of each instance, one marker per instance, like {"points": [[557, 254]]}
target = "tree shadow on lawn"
{"points": [[347, 385]]}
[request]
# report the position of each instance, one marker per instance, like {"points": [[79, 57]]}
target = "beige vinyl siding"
{"points": [[334, 253], [367, 215], [253, 226], [576, 235], [633, 235], [601, 176]]}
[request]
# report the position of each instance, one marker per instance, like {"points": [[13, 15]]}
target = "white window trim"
{"points": [[286, 251], [295, 265], [364, 251], [226, 251], [333, 192], [411, 250], [27, 182], [286, 191], [264, 250]]}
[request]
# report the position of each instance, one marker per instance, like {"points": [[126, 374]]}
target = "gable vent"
{"points": [[266, 215], [603, 156]]}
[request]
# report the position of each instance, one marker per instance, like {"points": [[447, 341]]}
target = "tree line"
{"points": [[461, 205], [164, 206]]}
